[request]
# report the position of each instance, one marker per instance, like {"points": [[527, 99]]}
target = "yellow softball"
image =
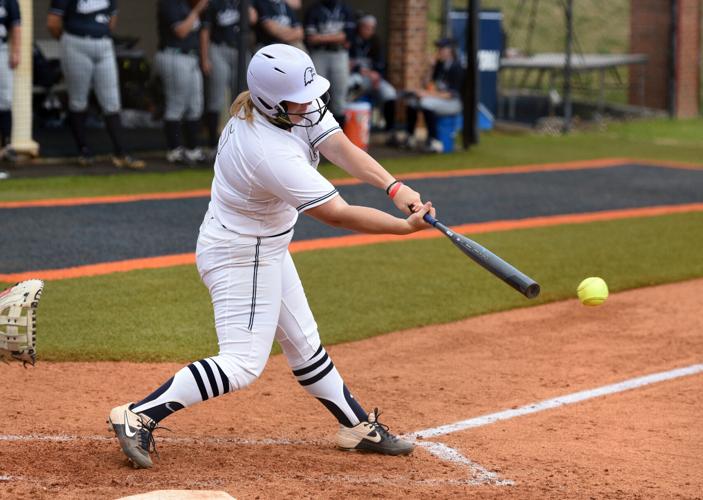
{"points": [[592, 291]]}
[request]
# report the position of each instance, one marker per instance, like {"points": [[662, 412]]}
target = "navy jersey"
{"points": [[448, 76], [223, 21], [366, 54], [274, 10], [85, 17], [9, 18], [329, 16], [170, 13]]}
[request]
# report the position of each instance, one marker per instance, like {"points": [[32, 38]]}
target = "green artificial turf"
{"points": [[680, 140], [165, 314]]}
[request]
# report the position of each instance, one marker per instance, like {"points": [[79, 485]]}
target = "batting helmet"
{"points": [[278, 73]]}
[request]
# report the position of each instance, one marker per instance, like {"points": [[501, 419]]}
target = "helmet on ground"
{"points": [[278, 73]]}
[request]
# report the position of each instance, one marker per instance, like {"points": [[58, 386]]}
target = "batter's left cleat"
{"points": [[372, 436], [134, 432]]}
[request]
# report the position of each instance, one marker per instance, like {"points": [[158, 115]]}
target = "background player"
{"points": [[219, 59], [278, 23], [327, 23], [177, 63], [88, 61], [265, 175], [368, 65], [9, 60], [440, 97]]}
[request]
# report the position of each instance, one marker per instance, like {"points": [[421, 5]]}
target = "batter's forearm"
{"points": [[364, 220], [342, 152]]}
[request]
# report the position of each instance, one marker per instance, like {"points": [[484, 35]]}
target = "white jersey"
{"points": [[265, 176]]}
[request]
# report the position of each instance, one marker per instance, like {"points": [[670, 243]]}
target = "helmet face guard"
{"points": [[308, 119]]}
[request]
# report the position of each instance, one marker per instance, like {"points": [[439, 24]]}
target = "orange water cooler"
{"points": [[357, 123]]}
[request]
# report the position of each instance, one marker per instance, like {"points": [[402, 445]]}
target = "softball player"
{"points": [[265, 176], [368, 64], [277, 23], [326, 26], [88, 61], [177, 63], [219, 58], [9, 60]]}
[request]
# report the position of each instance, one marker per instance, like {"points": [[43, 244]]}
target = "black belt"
{"points": [[272, 236], [329, 48], [86, 35], [179, 50], [232, 45]]}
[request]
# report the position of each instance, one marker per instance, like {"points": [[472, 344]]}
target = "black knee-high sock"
{"points": [[199, 381], [114, 127], [172, 129], [5, 128], [190, 127], [212, 122], [76, 121], [431, 123], [389, 115], [411, 117]]}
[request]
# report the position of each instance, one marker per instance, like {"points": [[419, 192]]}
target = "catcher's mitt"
{"points": [[18, 307]]}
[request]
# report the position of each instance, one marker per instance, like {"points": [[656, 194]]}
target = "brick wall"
{"points": [[407, 42], [688, 59], [650, 25]]}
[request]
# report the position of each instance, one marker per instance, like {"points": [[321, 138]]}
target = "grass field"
{"points": [[158, 315], [166, 315], [653, 140]]}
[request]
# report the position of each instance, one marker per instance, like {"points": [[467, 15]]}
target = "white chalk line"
{"points": [[569, 399], [484, 476], [479, 474], [214, 441]]}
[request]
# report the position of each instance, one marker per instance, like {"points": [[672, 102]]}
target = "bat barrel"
{"points": [[489, 261]]}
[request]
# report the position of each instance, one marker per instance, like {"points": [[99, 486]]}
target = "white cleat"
{"points": [[134, 432], [372, 436]]}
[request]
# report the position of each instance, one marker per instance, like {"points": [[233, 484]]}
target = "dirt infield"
{"points": [[274, 441]]}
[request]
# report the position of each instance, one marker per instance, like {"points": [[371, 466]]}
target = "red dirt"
{"points": [[642, 443]]}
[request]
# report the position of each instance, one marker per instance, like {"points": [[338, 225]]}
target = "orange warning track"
{"points": [[517, 169], [358, 240]]}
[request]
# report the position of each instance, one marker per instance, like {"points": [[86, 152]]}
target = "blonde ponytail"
{"points": [[244, 103]]}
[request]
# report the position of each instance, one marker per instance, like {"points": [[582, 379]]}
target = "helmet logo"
{"points": [[309, 75]]}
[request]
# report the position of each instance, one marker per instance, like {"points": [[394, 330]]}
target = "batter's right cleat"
{"points": [[372, 436], [134, 432]]}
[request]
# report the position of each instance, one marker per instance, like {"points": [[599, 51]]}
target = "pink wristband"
{"points": [[394, 190]]}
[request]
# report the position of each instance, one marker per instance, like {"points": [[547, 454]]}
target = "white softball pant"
{"points": [[334, 65], [223, 76], [90, 63], [183, 84], [257, 296], [6, 79]]}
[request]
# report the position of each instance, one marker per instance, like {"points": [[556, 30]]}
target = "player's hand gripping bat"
{"points": [[489, 261]]}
